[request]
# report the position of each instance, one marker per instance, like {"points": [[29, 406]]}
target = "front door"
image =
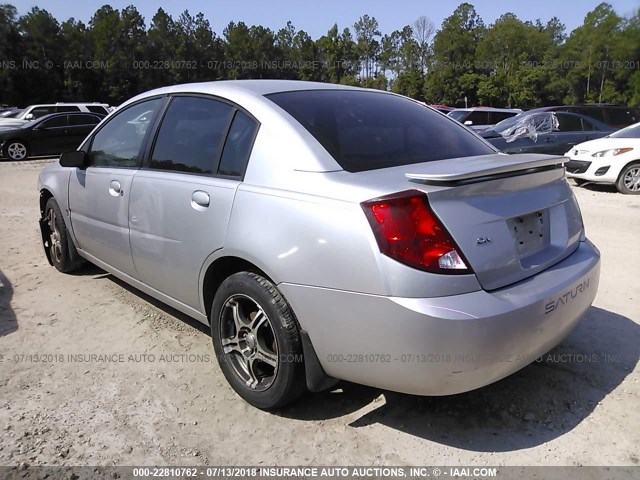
{"points": [[99, 196]]}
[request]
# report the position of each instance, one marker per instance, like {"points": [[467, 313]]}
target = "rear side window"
{"points": [[592, 112], [238, 146], [369, 130], [191, 135], [119, 142], [97, 109], [83, 120]]}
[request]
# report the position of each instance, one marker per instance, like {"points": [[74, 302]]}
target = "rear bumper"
{"points": [[446, 345]]}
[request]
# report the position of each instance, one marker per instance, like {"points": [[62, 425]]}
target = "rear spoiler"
{"points": [[473, 168]]}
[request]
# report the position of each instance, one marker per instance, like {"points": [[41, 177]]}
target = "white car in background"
{"points": [[614, 159]]}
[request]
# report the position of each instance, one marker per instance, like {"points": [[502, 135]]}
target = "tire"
{"points": [[580, 181], [629, 180], [61, 248], [256, 340], [16, 150]]}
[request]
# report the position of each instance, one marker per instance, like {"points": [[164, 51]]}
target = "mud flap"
{"points": [[317, 379]]}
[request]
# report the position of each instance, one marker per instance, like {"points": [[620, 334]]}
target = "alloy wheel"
{"points": [[55, 245], [632, 179], [249, 342], [17, 151]]}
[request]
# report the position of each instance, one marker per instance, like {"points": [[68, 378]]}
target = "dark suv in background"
{"points": [[617, 116]]}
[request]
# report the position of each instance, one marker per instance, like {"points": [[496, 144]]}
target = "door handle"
{"points": [[200, 200], [115, 189]]}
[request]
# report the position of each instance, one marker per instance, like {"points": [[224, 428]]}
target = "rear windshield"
{"points": [[371, 130]]}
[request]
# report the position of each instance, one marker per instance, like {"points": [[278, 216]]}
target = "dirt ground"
{"points": [[153, 393]]}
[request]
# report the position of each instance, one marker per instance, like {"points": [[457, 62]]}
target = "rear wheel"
{"points": [[256, 341], [16, 150], [629, 180]]}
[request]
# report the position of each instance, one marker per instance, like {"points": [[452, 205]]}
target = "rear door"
{"points": [[79, 127], [99, 196], [181, 201]]}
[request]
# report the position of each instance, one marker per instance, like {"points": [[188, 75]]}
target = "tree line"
{"points": [[510, 63]]}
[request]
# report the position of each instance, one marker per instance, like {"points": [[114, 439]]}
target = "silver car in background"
{"points": [[327, 232]]}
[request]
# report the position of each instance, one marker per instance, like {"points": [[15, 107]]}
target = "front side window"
{"points": [[478, 117], [366, 130], [119, 142], [41, 112], [568, 123], [191, 135]]}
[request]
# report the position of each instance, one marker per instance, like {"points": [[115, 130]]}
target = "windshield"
{"points": [[369, 130], [632, 131], [458, 114]]}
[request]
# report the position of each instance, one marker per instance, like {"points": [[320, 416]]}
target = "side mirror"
{"points": [[78, 159], [468, 122], [28, 116]]}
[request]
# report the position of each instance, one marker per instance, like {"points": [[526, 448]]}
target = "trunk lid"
{"points": [[511, 215]]}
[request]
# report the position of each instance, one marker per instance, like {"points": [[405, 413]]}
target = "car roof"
{"points": [[598, 123], [233, 89], [487, 109], [59, 114]]}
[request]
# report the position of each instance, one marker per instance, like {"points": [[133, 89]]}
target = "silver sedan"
{"points": [[327, 233]]}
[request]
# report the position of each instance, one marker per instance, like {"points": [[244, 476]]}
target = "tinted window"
{"points": [[83, 120], [495, 117], [620, 117], [97, 109], [370, 130], [569, 123], [592, 112], [67, 108], [478, 117], [238, 145], [55, 122], [191, 135], [118, 143]]}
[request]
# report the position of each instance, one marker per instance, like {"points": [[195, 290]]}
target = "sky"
{"points": [[316, 17]]}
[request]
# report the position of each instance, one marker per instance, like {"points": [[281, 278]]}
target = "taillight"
{"points": [[408, 231]]}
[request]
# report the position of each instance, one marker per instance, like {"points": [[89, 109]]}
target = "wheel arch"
{"points": [[45, 195], [221, 268], [226, 265]]}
